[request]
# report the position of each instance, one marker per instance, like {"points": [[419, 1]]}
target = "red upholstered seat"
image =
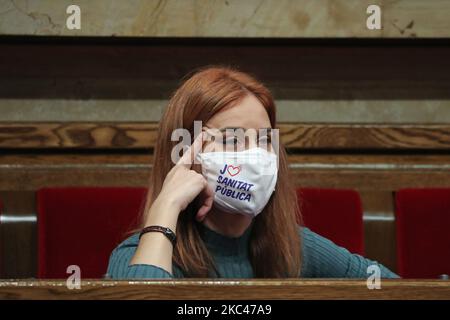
{"points": [[81, 226], [423, 232], [334, 214]]}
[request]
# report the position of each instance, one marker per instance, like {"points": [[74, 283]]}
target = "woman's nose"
{"points": [[252, 143]]}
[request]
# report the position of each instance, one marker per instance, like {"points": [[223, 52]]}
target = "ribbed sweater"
{"points": [[321, 258]]}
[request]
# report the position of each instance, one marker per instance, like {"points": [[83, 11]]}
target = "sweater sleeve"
{"points": [[324, 259], [119, 264]]}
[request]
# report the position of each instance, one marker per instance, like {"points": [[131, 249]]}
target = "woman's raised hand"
{"points": [[182, 184]]}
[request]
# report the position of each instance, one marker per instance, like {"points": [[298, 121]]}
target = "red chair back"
{"points": [[334, 214], [81, 226], [423, 232]]}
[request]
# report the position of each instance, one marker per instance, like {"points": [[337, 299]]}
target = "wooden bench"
{"points": [[239, 289]]}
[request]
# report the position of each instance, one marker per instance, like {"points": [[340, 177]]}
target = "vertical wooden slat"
{"points": [[379, 227], [18, 235]]}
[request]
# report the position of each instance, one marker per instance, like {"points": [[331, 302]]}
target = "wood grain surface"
{"points": [[363, 172], [226, 289], [99, 135]]}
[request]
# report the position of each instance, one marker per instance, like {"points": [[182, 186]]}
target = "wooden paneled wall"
{"points": [[84, 112]]}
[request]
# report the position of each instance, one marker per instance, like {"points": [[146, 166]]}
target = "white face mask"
{"points": [[243, 181]]}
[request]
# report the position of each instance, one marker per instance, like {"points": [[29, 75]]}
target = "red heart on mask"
{"points": [[232, 170]]}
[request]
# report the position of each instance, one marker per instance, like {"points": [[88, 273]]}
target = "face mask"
{"points": [[243, 181]]}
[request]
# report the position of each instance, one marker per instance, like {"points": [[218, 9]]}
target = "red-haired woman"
{"points": [[229, 221]]}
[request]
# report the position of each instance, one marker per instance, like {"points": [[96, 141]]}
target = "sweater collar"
{"points": [[222, 245]]}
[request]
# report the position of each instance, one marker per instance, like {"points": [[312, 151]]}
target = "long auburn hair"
{"points": [[274, 248]]}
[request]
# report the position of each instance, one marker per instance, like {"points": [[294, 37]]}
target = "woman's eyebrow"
{"points": [[231, 128], [237, 128]]}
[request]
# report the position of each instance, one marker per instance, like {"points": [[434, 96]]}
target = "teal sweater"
{"points": [[321, 258]]}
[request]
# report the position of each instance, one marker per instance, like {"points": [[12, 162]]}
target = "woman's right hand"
{"points": [[180, 187], [182, 184]]}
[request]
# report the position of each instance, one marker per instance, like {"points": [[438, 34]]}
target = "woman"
{"points": [[249, 231]]}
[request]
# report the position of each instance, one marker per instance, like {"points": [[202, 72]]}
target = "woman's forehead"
{"points": [[248, 113]]}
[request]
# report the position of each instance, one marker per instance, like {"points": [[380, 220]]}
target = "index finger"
{"points": [[188, 157]]}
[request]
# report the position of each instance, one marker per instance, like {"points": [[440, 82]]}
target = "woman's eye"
{"points": [[264, 139], [231, 141]]}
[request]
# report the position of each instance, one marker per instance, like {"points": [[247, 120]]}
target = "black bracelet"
{"points": [[166, 231]]}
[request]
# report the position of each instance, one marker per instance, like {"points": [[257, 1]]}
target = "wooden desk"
{"points": [[226, 289]]}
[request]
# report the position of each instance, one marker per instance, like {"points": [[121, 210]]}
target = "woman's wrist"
{"points": [[167, 232], [164, 213]]}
